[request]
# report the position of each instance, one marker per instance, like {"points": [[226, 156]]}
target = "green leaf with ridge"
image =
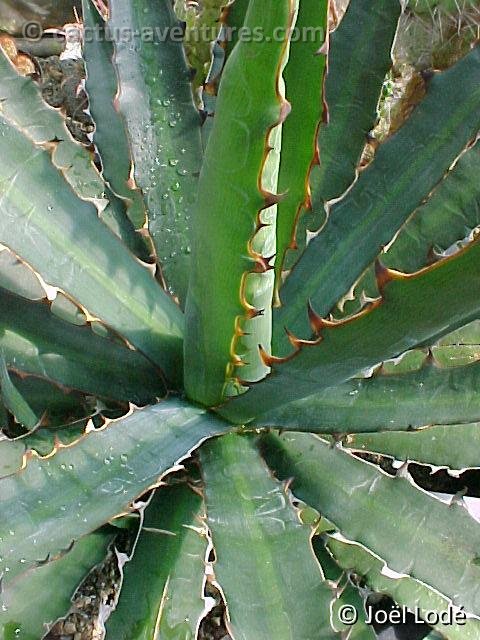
{"points": [[52, 501], [155, 98], [384, 514], [453, 446], [23, 106], [414, 312], [13, 399], [62, 238], [162, 591], [110, 136], [304, 79], [358, 60], [265, 565], [231, 20], [28, 609], [406, 591], [34, 341], [56, 403], [431, 395], [231, 196], [450, 214], [405, 169], [11, 456]]}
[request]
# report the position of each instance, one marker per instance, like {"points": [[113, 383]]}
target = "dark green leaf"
{"points": [[33, 341], [236, 173], [155, 98], [265, 564], [453, 446], [385, 514], [52, 501], [110, 136], [162, 591], [404, 590], [431, 395], [304, 79], [406, 168], [61, 237], [415, 311], [39, 598]]}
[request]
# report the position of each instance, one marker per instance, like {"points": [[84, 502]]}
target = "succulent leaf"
{"points": [[60, 498], [384, 196], [383, 514], [265, 564], [155, 99], [162, 591], [22, 601], [230, 210], [61, 237]]}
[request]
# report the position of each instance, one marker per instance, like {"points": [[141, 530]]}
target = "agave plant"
{"points": [[233, 294]]}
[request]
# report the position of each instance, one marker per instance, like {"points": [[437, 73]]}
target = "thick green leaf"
{"points": [[32, 603], [232, 196], [358, 61], [414, 311], [53, 501], [237, 10], [110, 136], [431, 395], [265, 565], [453, 446], [412, 532], [304, 79], [231, 20], [33, 341], [14, 401], [162, 591], [404, 590], [406, 168], [56, 404], [45, 441], [450, 214], [24, 107], [62, 238], [18, 278], [155, 98], [11, 455], [348, 596]]}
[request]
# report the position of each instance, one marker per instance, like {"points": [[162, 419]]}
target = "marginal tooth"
{"points": [[307, 203], [272, 199], [457, 499], [285, 110], [263, 264], [292, 339], [316, 322], [254, 313], [298, 343], [323, 51], [403, 472], [269, 360], [383, 275]]}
